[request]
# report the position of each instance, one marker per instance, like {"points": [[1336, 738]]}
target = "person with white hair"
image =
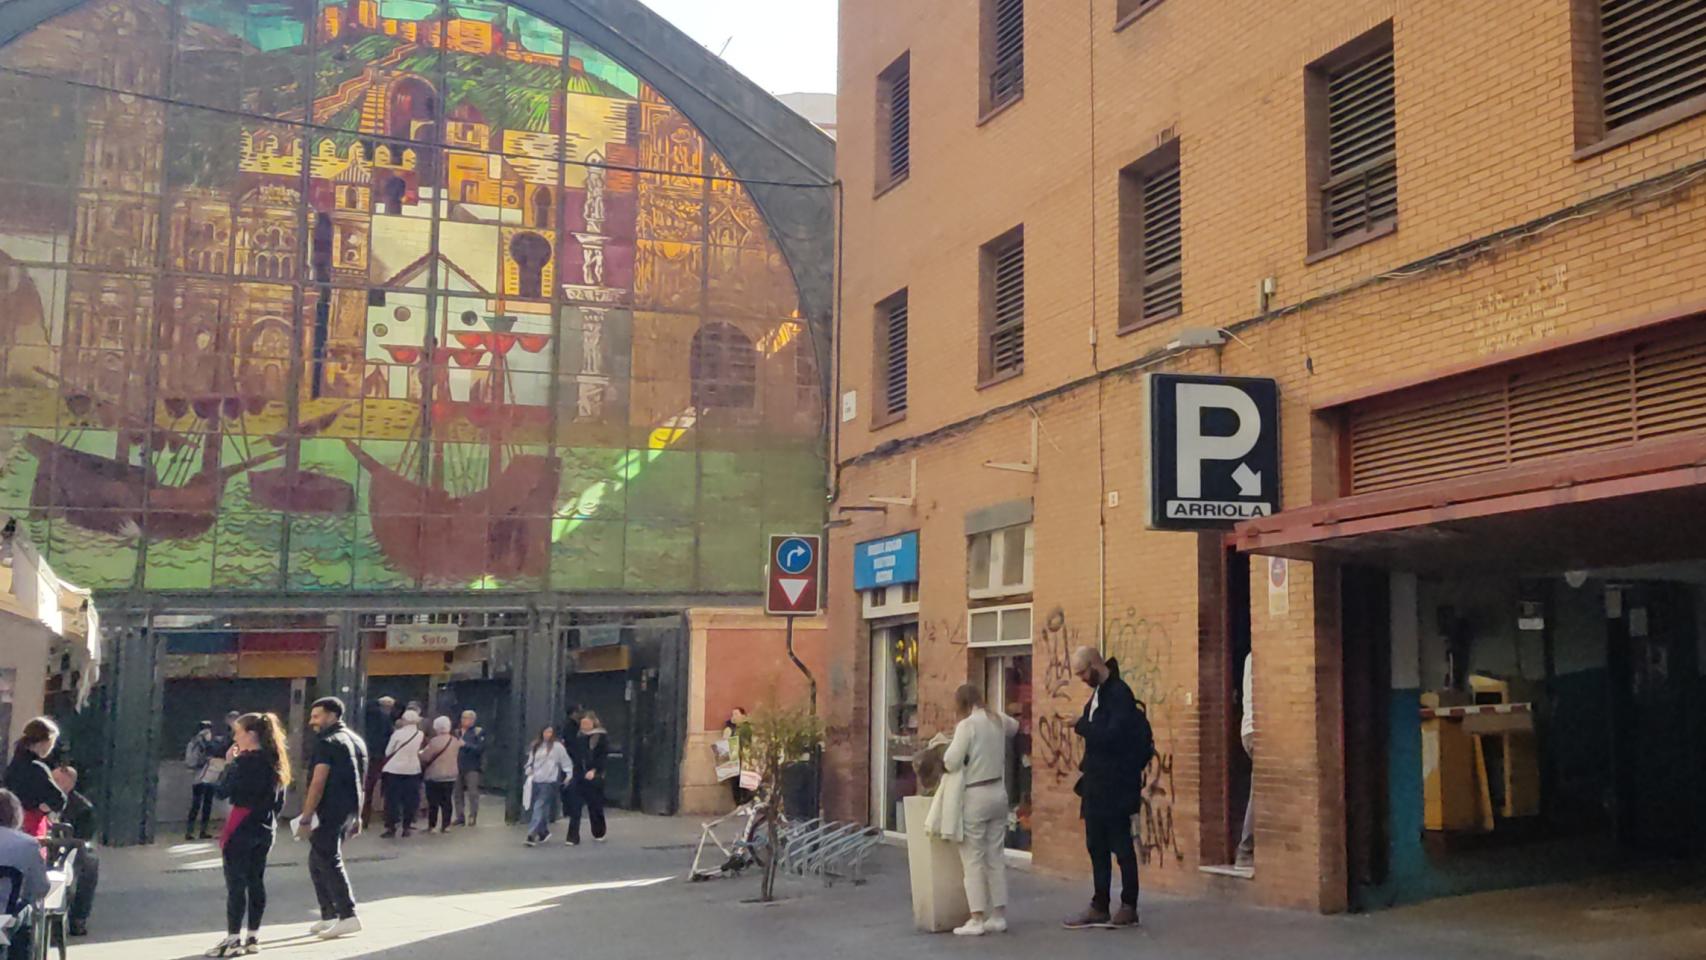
{"points": [[401, 776], [1118, 744], [438, 766]]}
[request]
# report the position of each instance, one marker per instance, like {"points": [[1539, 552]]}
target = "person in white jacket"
{"points": [[401, 775], [979, 754], [548, 765]]}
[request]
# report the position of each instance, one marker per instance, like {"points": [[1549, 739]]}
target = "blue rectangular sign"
{"points": [[886, 562]]}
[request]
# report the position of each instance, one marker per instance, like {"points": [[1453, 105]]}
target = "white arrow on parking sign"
{"points": [[1249, 481]]}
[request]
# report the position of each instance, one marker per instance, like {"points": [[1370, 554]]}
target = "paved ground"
{"points": [[479, 895]]}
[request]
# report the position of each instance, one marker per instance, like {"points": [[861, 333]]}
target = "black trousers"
{"points": [[83, 889], [588, 794], [402, 799], [245, 882], [326, 869], [1109, 837], [438, 802], [201, 804]]}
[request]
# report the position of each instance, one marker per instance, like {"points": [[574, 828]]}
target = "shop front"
{"points": [[1521, 561]]}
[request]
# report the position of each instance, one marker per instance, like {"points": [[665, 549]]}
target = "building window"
{"points": [[1003, 53], [891, 358], [894, 123], [1353, 143], [723, 367], [999, 562], [1125, 11], [1003, 307], [1638, 67], [1151, 240]]}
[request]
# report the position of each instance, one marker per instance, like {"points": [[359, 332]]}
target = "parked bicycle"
{"points": [[750, 847]]}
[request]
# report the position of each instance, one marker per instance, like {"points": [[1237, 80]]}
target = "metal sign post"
{"points": [[793, 589]]}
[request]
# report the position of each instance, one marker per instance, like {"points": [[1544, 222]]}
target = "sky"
{"points": [[785, 46]]}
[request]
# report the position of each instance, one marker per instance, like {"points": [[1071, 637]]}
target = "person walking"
{"points": [[206, 760], [586, 787], [979, 753], [737, 730], [41, 789], [1110, 785], [401, 776], [548, 765], [438, 767], [253, 783], [1246, 857], [330, 812], [470, 769]]}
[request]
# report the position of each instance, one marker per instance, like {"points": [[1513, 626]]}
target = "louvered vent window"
{"points": [[1360, 193], [1163, 288], [1615, 395], [1006, 51], [894, 96], [893, 346], [1006, 310], [1653, 56]]}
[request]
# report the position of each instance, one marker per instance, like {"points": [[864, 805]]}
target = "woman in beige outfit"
{"points": [[979, 749]]}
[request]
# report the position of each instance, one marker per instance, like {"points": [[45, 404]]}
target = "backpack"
{"points": [[1143, 739], [194, 758]]}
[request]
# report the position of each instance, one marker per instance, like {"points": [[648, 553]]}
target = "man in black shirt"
{"points": [[338, 774]]}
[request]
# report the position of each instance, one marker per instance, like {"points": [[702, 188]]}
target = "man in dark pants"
{"points": [[338, 772], [1110, 787]]}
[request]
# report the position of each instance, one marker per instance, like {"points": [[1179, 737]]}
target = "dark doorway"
{"points": [[1654, 665], [531, 253], [1365, 634]]}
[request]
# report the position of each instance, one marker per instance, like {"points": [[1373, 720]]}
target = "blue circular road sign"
{"points": [[794, 556]]}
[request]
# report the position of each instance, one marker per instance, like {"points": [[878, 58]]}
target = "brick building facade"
{"points": [[1544, 236]]}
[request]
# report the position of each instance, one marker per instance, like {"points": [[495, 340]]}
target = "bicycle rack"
{"points": [[832, 850]]}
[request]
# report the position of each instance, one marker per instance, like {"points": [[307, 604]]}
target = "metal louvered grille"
{"points": [[1163, 286], [1615, 396], [1007, 61], [1007, 316], [1653, 55], [1361, 192], [900, 123], [894, 356]]}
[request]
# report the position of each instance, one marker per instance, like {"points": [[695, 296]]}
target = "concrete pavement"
{"points": [[480, 895]]}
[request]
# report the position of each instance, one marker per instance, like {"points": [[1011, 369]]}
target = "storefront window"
{"points": [[894, 718], [1007, 688]]}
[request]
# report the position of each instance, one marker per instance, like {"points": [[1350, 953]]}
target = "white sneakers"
{"points": [[229, 947], [977, 928], [339, 928]]}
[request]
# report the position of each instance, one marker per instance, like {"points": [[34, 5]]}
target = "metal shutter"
{"points": [[900, 123], [1163, 286], [894, 356], [1614, 395], [1361, 192], [1007, 68], [1007, 326], [1653, 53]]}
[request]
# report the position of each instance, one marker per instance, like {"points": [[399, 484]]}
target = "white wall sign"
{"points": [[421, 636]]}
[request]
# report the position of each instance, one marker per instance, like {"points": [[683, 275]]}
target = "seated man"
{"points": [[20, 851]]}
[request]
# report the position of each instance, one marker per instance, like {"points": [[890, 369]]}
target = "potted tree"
{"points": [[781, 738]]}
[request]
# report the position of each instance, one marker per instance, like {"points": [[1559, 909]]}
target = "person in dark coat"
{"points": [[40, 788], [585, 788], [254, 781], [1110, 787]]}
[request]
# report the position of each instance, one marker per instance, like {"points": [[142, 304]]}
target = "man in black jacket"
{"points": [[1110, 786]]}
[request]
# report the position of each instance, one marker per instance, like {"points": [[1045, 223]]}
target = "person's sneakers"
{"points": [[320, 926], [531, 840], [444, 829], [1125, 916], [571, 842], [252, 946], [598, 839], [408, 832], [459, 822], [346, 927], [388, 835], [205, 836], [79, 928], [229, 947], [189, 837], [1089, 919], [995, 925], [971, 928]]}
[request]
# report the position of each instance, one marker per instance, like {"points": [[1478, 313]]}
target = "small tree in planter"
{"points": [[780, 736]]}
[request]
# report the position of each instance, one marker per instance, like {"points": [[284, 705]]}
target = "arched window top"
{"points": [[723, 365]]}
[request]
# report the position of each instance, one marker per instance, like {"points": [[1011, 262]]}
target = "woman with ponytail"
{"points": [[254, 783]]}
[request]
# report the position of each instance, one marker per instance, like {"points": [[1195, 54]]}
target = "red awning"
{"points": [[1644, 502]]}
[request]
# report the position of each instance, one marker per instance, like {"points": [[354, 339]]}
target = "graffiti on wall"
{"points": [[1143, 650], [356, 294]]}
